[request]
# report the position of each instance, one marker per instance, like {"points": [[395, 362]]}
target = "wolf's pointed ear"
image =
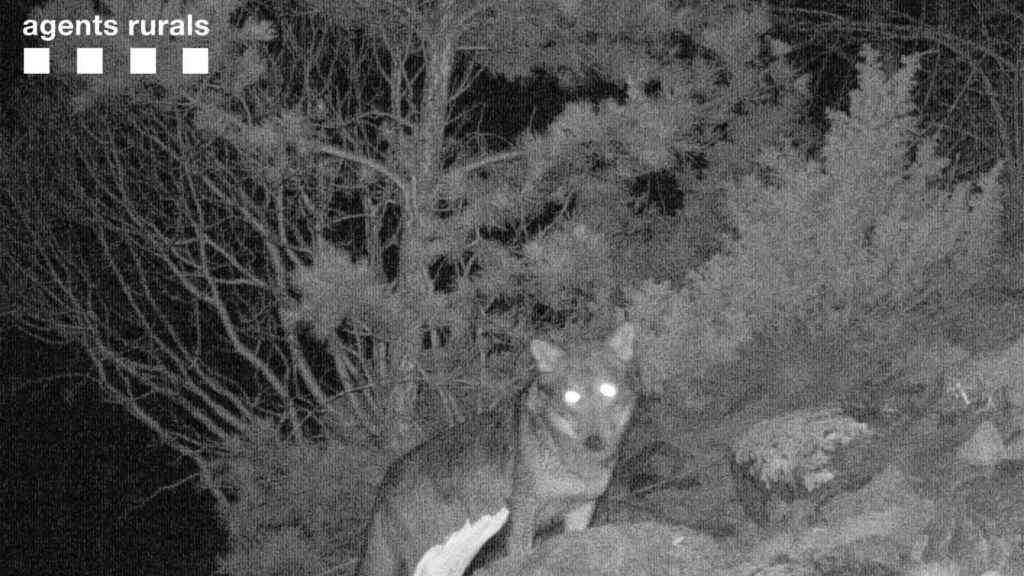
{"points": [[621, 343], [547, 356]]}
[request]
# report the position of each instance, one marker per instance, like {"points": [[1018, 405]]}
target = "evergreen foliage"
{"points": [[729, 93], [293, 503], [871, 236]]}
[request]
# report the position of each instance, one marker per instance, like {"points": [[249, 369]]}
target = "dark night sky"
{"points": [[78, 493]]}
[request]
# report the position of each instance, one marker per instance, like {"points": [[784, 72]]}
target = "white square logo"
{"points": [[142, 61], [89, 60], [195, 61], [36, 60]]}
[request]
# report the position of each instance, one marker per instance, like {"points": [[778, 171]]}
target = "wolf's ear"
{"points": [[547, 356], [621, 343]]}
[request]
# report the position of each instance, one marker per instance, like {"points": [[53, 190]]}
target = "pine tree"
{"points": [[871, 237]]}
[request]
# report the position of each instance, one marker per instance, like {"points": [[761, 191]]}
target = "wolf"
{"points": [[547, 456]]}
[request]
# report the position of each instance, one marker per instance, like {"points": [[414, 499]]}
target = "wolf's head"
{"points": [[585, 395]]}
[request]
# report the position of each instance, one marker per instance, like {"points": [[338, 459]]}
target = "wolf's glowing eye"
{"points": [[608, 390], [572, 396]]}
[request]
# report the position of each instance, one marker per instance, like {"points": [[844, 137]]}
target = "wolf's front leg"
{"points": [[522, 520]]}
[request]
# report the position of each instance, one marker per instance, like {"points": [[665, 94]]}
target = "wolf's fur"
{"points": [[547, 456]]}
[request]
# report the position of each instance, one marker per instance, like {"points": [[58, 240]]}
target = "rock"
{"points": [[646, 549], [790, 458]]}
